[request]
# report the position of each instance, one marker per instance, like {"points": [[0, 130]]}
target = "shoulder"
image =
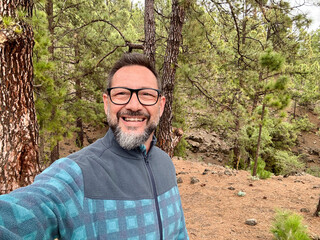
{"points": [[64, 170], [158, 152]]}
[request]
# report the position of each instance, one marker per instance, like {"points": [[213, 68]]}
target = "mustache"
{"points": [[133, 114]]}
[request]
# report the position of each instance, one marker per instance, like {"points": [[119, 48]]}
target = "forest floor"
{"points": [[213, 209]]}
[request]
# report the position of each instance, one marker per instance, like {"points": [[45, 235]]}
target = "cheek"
{"points": [[113, 110], [154, 112]]}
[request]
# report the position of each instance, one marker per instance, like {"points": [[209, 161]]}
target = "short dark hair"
{"points": [[129, 59]]}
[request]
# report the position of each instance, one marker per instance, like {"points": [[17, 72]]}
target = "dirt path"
{"points": [[213, 209]]}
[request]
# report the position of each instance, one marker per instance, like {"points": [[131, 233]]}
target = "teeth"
{"points": [[133, 119]]}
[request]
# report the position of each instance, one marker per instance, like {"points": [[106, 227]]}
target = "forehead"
{"points": [[134, 76]]}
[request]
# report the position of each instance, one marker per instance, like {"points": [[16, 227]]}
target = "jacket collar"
{"points": [[110, 142]]}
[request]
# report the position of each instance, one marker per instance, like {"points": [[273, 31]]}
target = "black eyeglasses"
{"points": [[122, 95]]}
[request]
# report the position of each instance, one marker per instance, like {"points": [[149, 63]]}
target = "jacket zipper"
{"points": [[155, 194]]}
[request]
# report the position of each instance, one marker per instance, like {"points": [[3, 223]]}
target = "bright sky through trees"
{"points": [[309, 7]]}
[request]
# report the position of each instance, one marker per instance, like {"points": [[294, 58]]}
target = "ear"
{"points": [[105, 103], [162, 101]]}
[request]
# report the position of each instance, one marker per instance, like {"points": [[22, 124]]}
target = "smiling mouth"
{"points": [[133, 119]]}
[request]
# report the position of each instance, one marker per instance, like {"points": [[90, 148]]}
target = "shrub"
{"points": [[180, 149], [288, 226], [303, 124], [314, 171], [287, 163], [261, 172]]}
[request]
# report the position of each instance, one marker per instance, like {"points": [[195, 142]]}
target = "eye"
{"points": [[120, 93], [147, 94]]}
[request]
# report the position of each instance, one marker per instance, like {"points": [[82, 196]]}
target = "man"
{"points": [[120, 187]]}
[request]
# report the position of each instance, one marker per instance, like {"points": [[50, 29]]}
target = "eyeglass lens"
{"points": [[145, 96]]}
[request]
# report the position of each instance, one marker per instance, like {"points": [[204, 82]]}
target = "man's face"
{"points": [[133, 124]]}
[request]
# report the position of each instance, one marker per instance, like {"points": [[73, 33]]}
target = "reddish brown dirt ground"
{"points": [[213, 211]]}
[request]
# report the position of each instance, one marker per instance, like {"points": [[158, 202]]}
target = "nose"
{"points": [[134, 103]]}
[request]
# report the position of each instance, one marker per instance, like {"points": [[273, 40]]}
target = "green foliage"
{"points": [[281, 83], [50, 94], [289, 226], [7, 21], [314, 171], [249, 136], [276, 135], [303, 124], [225, 74], [284, 134], [180, 149], [271, 60], [179, 119], [261, 172], [287, 163]]}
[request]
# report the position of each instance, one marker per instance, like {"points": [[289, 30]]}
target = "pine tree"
{"points": [[18, 124]]}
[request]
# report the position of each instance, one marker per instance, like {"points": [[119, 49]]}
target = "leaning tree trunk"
{"points": [[18, 124], [166, 134]]}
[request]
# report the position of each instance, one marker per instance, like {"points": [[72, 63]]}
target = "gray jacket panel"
{"points": [[111, 172]]}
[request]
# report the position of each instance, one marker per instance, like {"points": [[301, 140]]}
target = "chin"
{"points": [[133, 131]]}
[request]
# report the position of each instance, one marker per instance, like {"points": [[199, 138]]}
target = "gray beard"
{"points": [[130, 141]]}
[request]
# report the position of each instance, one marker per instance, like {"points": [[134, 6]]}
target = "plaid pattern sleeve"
{"points": [[172, 215], [54, 199]]}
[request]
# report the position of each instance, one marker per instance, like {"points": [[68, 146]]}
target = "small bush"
{"points": [[261, 172], [288, 226], [287, 163], [180, 149], [303, 124], [314, 171]]}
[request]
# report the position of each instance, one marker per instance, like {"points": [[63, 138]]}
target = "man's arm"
{"points": [[183, 233], [45, 209]]}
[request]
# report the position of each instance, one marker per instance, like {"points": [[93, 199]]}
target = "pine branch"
{"points": [[206, 94]]}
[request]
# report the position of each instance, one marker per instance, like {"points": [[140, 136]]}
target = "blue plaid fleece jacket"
{"points": [[99, 192]]}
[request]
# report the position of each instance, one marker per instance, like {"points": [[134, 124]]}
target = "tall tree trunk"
{"points": [[236, 148], [165, 134], [55, 152], [149, 46], [19, 155], [79, 123], [49, 12], [254, 172], [294, 109]]}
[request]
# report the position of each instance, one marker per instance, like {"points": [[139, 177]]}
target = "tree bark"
{"points": [[19, 155], [149, 46], [49, 11], [55, 152], [165, 134], [236, 148], [254, 172], [317, 212], [79, 122], [294, 109]]}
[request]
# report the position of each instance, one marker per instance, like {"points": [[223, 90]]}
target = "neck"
{"points": [[148, 142]]}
